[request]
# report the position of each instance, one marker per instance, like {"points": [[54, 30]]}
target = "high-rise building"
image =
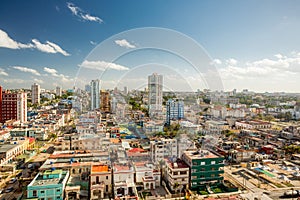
{"points": [[125, 90], [105, 101], [95, 94], [175, 110], [0, 104], [58, 91], [35, 93], [13, 106], [155, 86]]}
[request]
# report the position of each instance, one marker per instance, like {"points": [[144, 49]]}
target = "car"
{"points": [[13, 180], [9, 189]]}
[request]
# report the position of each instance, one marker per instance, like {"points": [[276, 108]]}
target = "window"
{"points": [[213, 162], [202, 176], [202, 163], [194, 177], [195, 163], [97, 179], [202, 169], [34, 193], [42, 191], [42, 198], [57, 197], [58, 190], [106, 188], [213, 175], [213, 169], [106, 177]]}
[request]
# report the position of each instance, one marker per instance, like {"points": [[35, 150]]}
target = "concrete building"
{"points": [[101, 181], [58, 91], [147, 175], [123, 181], [155, 87], [175, 110], [163, 148], [205, 168], [37, 133], [35, 93], [13, 106], [105, 101], [253, 124], [95, 94], [176, 172], [9, 151], [48, 185], [0, 104]]}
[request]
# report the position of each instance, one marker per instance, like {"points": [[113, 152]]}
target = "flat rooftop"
{"points": [[39, 181], [200, 154], [178, 164]]}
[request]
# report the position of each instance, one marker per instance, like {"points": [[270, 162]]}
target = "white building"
{"points": [[22, 107], [155, 86], [176, 172], [58, 91], [95, 94], [100, 181], [163, 148], [35, 93]]}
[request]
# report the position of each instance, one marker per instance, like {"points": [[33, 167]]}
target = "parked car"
{"points": [[13, 180], [9, 189]]}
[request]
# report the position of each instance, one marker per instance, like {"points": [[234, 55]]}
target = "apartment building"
{"points": [[205, 168]]}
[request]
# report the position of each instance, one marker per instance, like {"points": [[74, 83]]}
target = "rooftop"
{"points": [[200, 154], [100, 168], [177, 164], [40, 181]]}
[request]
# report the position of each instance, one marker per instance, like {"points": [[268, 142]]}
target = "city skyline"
{"points": [[251, 44]]}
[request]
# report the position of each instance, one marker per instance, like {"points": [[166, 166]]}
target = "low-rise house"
{"points": [[100, 181], [48, 185]]}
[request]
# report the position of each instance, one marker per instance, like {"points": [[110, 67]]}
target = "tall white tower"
{"points": [[58, 91], [22, 107], [95, 94], [35, 93], [155, 85]]}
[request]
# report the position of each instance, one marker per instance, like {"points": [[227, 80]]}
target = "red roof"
{"points": [[136, 150]]}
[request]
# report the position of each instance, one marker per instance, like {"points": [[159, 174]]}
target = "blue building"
{"points": [[175, 110], [48, 185]]}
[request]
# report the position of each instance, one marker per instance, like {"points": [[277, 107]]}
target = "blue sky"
{"points": [[253, 44]]}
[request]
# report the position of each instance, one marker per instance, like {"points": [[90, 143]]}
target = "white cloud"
{"points": [[51, 71], [88, 17], [49, 47], [124, 43], [82, 14], [54, 73], [102, 65], [93, 43], [3, 73], [7, 42], [216, 62], [271, 74], [38, 81], [279, 56], [231, 61], [26, 69]]}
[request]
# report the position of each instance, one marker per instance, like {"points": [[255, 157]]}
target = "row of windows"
{"points": [[202, 176], [203, 169], [213, 162]]}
